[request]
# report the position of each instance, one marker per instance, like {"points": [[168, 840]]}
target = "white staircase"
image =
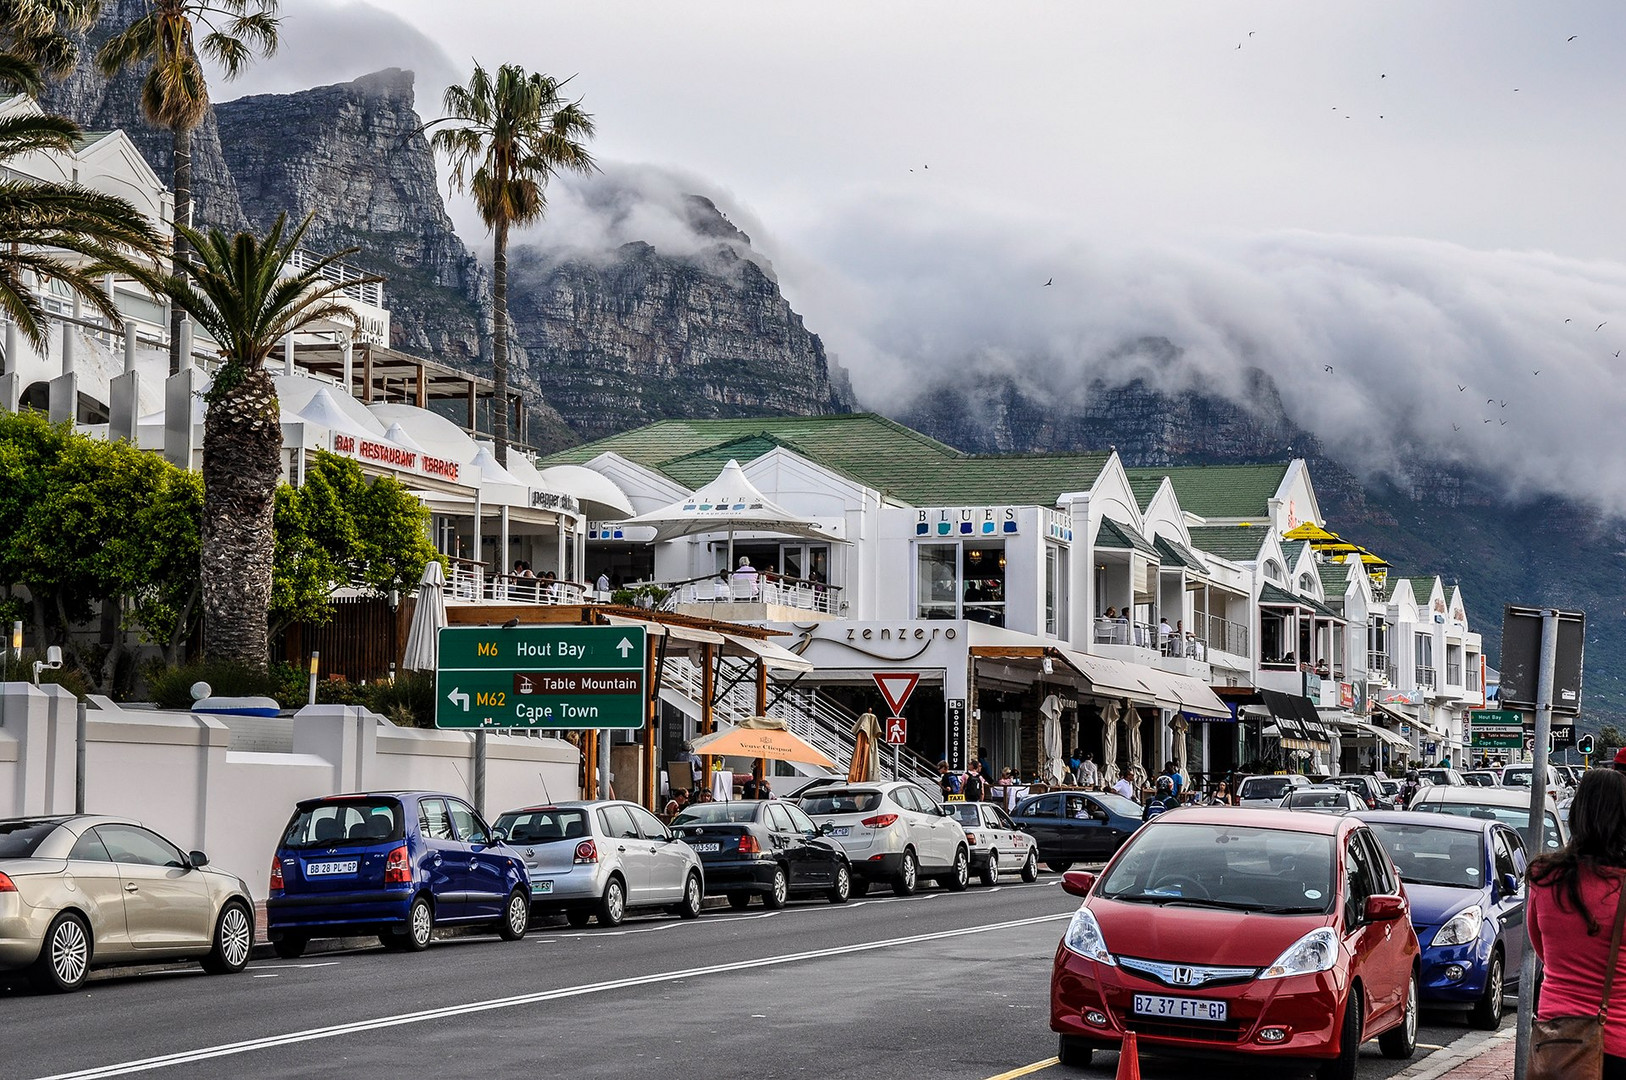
{"points": [[811, 716]]}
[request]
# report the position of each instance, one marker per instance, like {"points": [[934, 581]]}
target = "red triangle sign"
{"points": [[896, 686]]}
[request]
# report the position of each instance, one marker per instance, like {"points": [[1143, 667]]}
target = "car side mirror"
{"points": [[197, 859], [1509, 884], [498, 836], [1078, 882], [1385, 908]]}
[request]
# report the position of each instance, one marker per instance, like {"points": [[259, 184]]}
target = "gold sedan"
{"points": [[82, 891]]}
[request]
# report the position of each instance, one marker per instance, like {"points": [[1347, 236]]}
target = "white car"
{"points": [[1322, 799], [996, 842], [1267, 791], [893, 832]]}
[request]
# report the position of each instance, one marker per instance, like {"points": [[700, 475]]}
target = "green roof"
{"points": [[1277, 596], [1220, 491], [867, 448], [1291, 549], [1421, 587], [1334, 578], [1174, 553], [1239, 543], [1144, 488], [1121, 537]]}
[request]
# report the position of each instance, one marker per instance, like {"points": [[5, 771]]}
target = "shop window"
{"points": [[1053, 586], [961, 581]]}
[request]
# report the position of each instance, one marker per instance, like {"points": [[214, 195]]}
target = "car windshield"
{"points": [[713, 813], [1426, 855], [1243, 868], [1326, 800], [344, 821], [544, 825], [1516, 816], [1434, 776], [18, 839], [1516, 778], [1117, 804], [842, 801], [1390, 787], [965, 813], [1265, 787]]}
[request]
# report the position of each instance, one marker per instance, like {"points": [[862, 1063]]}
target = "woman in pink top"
{"points": [[1573, 898]]}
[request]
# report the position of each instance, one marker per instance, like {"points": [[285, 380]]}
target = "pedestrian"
{"points": [[1123, 787], [1090, 773], [1576, 906], [973, 787], [947, 782], [756, 787], [982, 760], [1163, 799], [603, 583], [675, 805]]}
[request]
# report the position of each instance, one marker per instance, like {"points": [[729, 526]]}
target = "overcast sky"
{"points": [[1415, 194]]}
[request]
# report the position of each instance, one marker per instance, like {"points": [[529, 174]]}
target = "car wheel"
{"points": [[1486, 1015], [1059, 867], [908, 875], [612, 907], [578, 917], [739, 901], [693, 896], [1074, 1053], [1343, 1066], [291, 946], [990, 873], [843, 886], [778, 892], [234, 940], [516, 916], [961, 874], [64, 957], [420, 925], [1030, 869], [860, 888], [1400, 1043]]}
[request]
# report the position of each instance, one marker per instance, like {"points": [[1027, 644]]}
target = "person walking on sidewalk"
{"points": [[1574, 896]]}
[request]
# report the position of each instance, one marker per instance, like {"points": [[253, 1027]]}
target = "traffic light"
{"points": [[1586, 745]]}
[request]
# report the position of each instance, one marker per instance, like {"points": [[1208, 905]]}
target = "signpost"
{"points": [[895, 687], [954, 740], [1495, 729], [560, 678]]}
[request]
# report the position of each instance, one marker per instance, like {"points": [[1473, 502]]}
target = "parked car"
{"points": [[1322, 799], [602, 859], [1481, 778], [79, 891], [1077, 826], [1519, 776], [1441, 776], [1511, 808], [1266, 791], [1277, 936], [893, 832], [1465, 881], [996, 842], [1391, 794], [396, 864], [1369, 789], [766, 848]]}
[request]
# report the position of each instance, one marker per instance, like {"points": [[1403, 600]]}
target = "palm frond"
{"points": [[20, 75], [26, 134]]}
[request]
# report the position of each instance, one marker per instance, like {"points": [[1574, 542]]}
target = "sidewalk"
{"points": [[1479, 1056]]}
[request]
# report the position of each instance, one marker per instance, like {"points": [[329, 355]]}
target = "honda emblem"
{"points": [[1182, 976]]}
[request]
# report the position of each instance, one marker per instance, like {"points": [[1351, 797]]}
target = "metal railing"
{"points": [[1473, 677], [1426, 677], [1221, 634], [469, 582], [1453, 674], [757, 589], [1125, 632], [366, 292], [1377, 664]]}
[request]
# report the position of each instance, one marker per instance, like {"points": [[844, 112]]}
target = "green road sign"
{"points": [[558, 677], [1482, 740], [1495, 718]]}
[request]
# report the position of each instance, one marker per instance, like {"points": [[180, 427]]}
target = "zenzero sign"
{"points": [[557, 677]]}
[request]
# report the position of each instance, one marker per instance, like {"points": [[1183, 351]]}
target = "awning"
{"points": [[1183, 693], [1362, 729], [774, 656], [691, 634], [1111, 678]]}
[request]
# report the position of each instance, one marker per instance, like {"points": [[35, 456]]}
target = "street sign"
{"points": [[897, 731], [560, 677], [896, 686], [1496, 740], [1494, 718], [955, 750], [1521, 659]]}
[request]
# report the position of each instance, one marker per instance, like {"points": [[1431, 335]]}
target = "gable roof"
{"points": [[1239, 543], [1144, 487], [864, 447], [1220, 491], [1174, 553], [1291, 549], [1334, 579], [1422, 588], [1118, 536]]}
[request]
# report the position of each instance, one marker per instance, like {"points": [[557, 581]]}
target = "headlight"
{"points": [[1315, 951], [1084, 937], [1462, 928]]}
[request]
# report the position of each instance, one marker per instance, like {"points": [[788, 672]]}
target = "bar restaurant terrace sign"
{"points": [[395, 457], [554, 677]]}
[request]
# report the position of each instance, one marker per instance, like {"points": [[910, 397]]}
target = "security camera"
{"points": [[52, 661]]}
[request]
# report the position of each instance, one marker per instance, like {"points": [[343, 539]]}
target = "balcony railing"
{"points": [[370, 293], [469, 582], [1426, 678], [1453, 674], [1125, 632], [1473, 677], [761, 589], [1222, 634], [1377, 664]]}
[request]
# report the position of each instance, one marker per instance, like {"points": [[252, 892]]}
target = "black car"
{"points": [[1077, 826], [768, 848], [1366, 788]]}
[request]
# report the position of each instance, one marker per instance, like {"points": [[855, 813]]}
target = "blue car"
{"points": [[396, 864], [1464, 878], [1077, 826]]}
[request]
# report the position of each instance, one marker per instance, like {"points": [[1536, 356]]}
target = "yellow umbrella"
{"points": [[762, 737], [1309, 530]]}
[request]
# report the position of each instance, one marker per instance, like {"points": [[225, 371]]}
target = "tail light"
{"points": [[276, 876], [879, 821], [587, 852], [398, 867], [6, 884], [749, 845]]}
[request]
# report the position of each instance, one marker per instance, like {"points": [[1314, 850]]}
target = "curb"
{"points": [[1466, 1049]]}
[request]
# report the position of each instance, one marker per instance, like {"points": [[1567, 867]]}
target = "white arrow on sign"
{"points": [[459, 697], [624, 648]]}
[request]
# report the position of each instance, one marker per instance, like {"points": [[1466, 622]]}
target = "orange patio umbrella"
{"points": [[762, 737], [866, 764]]}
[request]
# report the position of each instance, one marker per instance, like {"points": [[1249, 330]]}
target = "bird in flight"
{"points": [[1600, 326], [1536, 372], [1329, 369], [1250, 33], [1456, 427], [1487, 419], [1383, 76], [925, 166], [1617, 354], [1504, 423], [1490, 401], [1049, 282], [1460, 388], [1566, 320], [1572, 37], [1239, 44]]}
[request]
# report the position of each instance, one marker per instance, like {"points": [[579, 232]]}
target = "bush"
{"points": [[71, 679], [408, 701], [171, 687]]}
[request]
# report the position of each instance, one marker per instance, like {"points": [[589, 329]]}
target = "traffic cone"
{"points": [[1129, 1058]]}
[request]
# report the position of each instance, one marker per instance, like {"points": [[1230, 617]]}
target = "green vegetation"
{"points": [[407, 701]]}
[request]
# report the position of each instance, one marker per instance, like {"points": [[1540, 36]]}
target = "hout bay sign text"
{"points": [[554, 676]]}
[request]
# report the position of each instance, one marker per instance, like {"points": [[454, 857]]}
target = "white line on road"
{"points": [[273, 975], [313, 1034], [290, 967]]}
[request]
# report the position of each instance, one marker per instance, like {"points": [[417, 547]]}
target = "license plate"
{"points": [[1176, 1008], [323, 869], [840, 830], [708, 847], [539, 888]]}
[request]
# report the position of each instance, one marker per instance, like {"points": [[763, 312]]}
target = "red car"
{"points": [[1265, 933]]}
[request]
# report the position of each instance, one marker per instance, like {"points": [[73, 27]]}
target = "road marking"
{"points": [[273, 975], [540, 940], [1037, 1066], [210, 1053], [292, 967]]}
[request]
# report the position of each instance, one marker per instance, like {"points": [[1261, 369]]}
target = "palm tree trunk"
{"points": [[499, 342], [182, 144], [242, 462]]}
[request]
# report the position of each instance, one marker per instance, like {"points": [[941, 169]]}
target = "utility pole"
{"points": [[1538, 826]]}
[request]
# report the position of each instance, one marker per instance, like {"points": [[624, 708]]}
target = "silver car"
{"points": [[82, 890], [893, 832], [1267, 791], [603, 859]]}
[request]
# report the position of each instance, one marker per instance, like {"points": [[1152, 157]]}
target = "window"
{"points": [[1052, 589], [1383, 880], [910, 799], [800, 821], [90, 848], [842, 801], [648, 824], [128, 844], [344, 821], [617, 823], [1078, 807], [1045, 807], [545, 826], [778, 820], [18, 839], [1357, 883], [1503, 845], [469, 826], [961, 581], [435, 820]]}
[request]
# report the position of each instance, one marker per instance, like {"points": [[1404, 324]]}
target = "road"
{"points": [[939, 984]]}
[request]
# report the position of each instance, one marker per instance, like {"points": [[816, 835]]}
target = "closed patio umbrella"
{"points": [[1109, 743], [1137, 771], [1180, 725], [423, 638], [1054, 764], [866, 762]]}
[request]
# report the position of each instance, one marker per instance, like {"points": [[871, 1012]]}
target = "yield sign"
{"points": [[896, 686]]}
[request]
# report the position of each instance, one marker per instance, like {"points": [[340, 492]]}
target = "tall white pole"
{"points": [[1538, 823]]}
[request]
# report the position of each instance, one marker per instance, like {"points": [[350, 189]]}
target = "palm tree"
{"points": [[511, 135], [38, 39], [241, 290], [175, 92], [44, 224]]}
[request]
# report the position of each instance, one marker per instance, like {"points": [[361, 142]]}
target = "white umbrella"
{"points": [[423, 639], [1109, 742], [1050, 710], [1137, 774], [730, 503], [1180, 725]]}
